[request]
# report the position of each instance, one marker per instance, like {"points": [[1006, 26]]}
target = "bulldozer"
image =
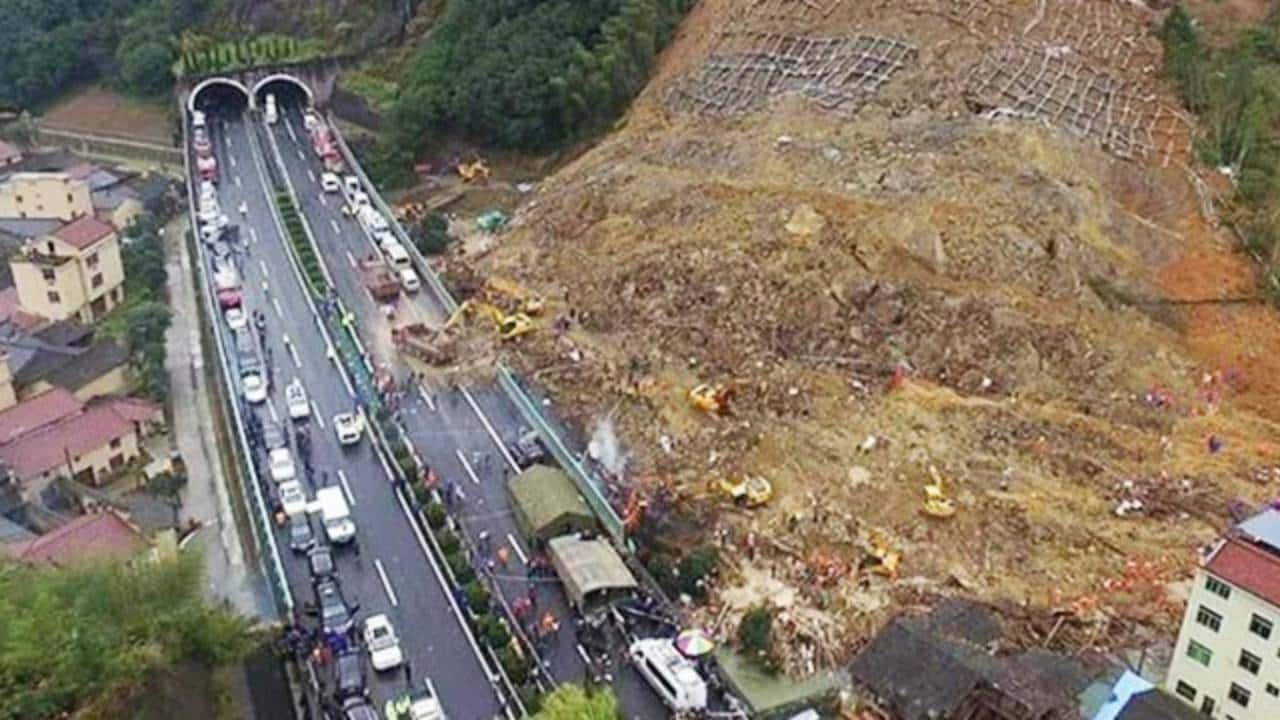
{"points": [[936, 502], [476, 170], [527, 303], [752, 491], [508, 326], [710, 398]]}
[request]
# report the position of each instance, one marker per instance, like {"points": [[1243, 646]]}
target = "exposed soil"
{"points": [[101, 111]]}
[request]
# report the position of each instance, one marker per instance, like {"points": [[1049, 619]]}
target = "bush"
{"points": [[436, 515], [421, 493], [755, 632], [477, 597], [515, 665], [461, 568], [694, 570], [495, 632], [409, 467], [449, 542], [432, 236]]}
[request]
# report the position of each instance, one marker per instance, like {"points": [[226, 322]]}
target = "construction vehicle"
{"points": [[432, 346], [879, 558], [936, 502], [710, 398], [476, 170], [378, 278], [508, 326], [752, 491], [527, 303]]}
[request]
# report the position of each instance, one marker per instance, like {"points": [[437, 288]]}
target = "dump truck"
{"points": [[379, 279], [423, 342]]}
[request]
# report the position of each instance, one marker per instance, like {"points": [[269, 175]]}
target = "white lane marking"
{"points": [[271, 409], [351, 259], [289, 126], [301, 156], [466, 465], [322, 200], [582, 654], [275, 302], [263, 265], [334, 224], [346, 488], [253, 234], [293, 352], [426, 396], [315, 413], [232, 159], [386, 582], [489, 427], [311, 174], [524, 559], [237, 179]]}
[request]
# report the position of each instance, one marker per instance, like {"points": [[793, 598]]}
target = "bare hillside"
{"points": [[910, 234]]}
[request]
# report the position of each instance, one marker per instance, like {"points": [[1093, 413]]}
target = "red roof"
{"points": [[133, 409], [83, 232], [47, 445], [94, 536], [37, 412], [1248, 567]]}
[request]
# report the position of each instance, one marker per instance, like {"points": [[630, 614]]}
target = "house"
{"points": [[74, 272], [9, 155], [54, 434], [1227, 660], [118, 205], [45, 196], [95, 536], [941, 666], [63, 354]]}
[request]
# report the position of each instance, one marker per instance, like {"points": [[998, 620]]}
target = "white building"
{"points": [[1227, 661]]}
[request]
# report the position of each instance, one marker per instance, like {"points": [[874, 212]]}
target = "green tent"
{"points": [[546, 503]]}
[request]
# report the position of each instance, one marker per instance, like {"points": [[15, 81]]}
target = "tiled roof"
{"points": [[96, 361], [1247, 566], [51, 446], [1156, 704], [34, 413], [88, 537], [12, 312], [83, 232]]}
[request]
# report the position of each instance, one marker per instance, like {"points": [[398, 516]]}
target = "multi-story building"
{"points": [[1227, 661], [74, 272], [49, 196]]}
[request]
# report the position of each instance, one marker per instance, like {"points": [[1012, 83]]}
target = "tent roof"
{"points": [[589, 565], [546, 494]]}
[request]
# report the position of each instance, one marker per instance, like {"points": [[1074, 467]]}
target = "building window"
{"points": [[97, 280], [1217, 587], [117, 462], [1185, 690], [70, 199], [52, 249], [1272, 690], [48, 275], [92, 261], [1250, 662], [54, 297], [1260, 626], [1238, 695], [115, 443], [1199, 653], [1209, 618]]}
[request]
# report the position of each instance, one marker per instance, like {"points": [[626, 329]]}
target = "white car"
{"points": [[353, 184], [384, 646], [236, 319], [330, 182], [255, 388], [348, 427], [359, 198], [409, 280], [384, 238], [293, 498], [281, 464], [295, 396]]}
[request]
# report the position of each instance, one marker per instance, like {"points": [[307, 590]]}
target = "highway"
{"points": [[392, 572], [463, 433]]}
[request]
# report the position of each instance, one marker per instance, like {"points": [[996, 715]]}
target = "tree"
{"points": [[433, 234], [145, 68], [571, 702], [145, 326], [755, 632]]}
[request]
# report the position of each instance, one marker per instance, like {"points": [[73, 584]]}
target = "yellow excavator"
{"points": [[880, 558], [476, 170], [752, 491], [710, 398], [527, 303], [508, 326], [936, 502]]}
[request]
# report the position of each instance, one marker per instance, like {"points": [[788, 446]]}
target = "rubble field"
{"points": [[909, 235]]}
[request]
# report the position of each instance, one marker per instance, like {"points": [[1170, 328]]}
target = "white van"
{"points": [[409, 280], [271, 114], [670, 674], [397, 256], [352, 184], [197, 119], [335, 515]]}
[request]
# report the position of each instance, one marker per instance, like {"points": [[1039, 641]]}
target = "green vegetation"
{"points": [[1235, 91], [687, 577], [201, 56], [51, 45], [378, 92], [529, 75], [571, 702], [301, 245], [755, 632], [432, 234], [142, 320], [76, 636]]}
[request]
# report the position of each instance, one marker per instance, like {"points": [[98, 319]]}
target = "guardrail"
{"points": [[259, 516], [587, 484]]}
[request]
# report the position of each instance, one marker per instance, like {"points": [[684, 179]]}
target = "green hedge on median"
{"points": [[298, 238]]}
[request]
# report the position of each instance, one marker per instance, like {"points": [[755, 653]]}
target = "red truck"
{"points": [[326, 148]]}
